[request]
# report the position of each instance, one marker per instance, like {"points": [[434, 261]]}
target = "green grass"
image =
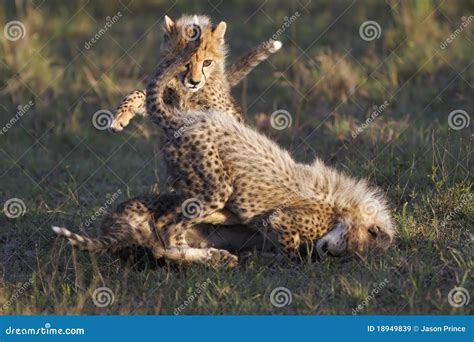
{"points": [[327, 77]]}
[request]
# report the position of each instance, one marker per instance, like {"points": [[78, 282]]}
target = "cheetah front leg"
{"points": [[131, 105]]}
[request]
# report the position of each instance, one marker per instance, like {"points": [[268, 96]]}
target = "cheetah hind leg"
{"points": [[211, 188], [131, 105], [210, 256]]}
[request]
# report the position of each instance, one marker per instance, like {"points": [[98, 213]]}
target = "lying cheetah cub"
{"points": [[206, 82], [131, 224], [224, 164]]}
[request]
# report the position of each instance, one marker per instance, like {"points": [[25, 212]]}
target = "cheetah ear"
{"points": [[219, 31], [381, 237], [169, 24]]}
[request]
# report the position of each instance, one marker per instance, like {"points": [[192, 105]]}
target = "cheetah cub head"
{"points": [[365, 222], [210, 56]]}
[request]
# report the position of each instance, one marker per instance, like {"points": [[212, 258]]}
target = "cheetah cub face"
{"points": [[210, 56], [365, 225]]}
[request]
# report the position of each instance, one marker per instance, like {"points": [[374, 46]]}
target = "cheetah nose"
{"points": [[193, 82]]}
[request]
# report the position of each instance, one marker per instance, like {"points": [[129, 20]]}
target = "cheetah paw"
{"points": [[121, 120], [221, 257]]}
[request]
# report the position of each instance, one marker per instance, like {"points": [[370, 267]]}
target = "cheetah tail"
{"points": [[161, 112], [97, 245], [245, 64]]}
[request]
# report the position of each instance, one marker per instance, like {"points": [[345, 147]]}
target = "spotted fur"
{"points": [[132, 224], [225, 164], [201, 86]]}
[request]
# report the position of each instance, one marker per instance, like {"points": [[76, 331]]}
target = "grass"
{"points": [[327, 77]]}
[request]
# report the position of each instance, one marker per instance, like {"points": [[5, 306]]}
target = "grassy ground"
{"points": [[327, 77]]}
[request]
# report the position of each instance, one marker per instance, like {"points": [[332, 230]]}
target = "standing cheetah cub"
{"points": [[129, 225], [224, 164], [206, 82]]}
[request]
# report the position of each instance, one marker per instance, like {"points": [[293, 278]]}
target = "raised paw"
{"points": [[131, 105], [121, 120], [221, 257]]}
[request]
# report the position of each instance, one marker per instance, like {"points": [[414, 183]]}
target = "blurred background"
{"points": [[379, 89]]}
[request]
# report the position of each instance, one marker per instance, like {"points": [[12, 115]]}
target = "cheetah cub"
{"points": [[222, 163], [131, 224], [206, 82]]}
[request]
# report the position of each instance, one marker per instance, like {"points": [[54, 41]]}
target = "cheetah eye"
{"points": [[207, 62]]}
